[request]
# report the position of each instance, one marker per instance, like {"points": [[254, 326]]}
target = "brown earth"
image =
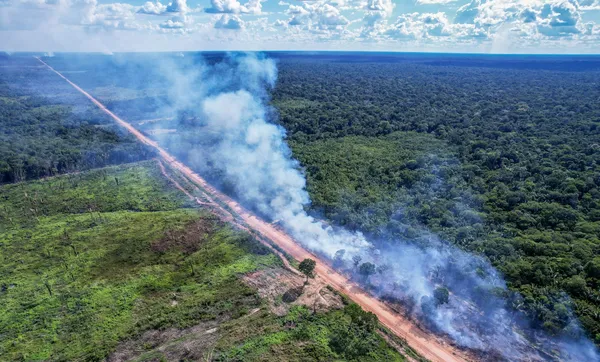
{"points": [[190, 344], [274, 284], [188, 240]]}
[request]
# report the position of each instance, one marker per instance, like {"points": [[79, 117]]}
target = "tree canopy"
{"points": [[307, 267], [497, 157]]}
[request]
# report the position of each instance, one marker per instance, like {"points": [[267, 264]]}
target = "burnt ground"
{"points": [[282, 289], [189, 239]]}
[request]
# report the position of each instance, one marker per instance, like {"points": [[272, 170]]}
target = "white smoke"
{"points": [[256, 160], [240, 141]]}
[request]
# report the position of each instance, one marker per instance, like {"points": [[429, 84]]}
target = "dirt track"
{"points": [[427, 346]]}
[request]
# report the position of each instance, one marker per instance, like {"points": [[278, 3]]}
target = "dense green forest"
{"points": [[503, 162], [48, 129]]}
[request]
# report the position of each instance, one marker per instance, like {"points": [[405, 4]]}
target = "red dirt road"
{"points": [[427, 346]]}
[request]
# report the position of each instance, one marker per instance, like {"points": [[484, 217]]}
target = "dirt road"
{"points": [[427, 346]]}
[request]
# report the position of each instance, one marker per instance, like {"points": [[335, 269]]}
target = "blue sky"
{"points": [[483, 26]]}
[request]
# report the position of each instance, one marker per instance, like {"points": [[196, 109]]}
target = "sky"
{"points": [[466, 26]]}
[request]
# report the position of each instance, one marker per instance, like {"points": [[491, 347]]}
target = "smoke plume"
{"points": [[239, 145]]}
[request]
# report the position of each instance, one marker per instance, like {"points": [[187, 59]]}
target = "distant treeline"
{"points": [[42, 137]]}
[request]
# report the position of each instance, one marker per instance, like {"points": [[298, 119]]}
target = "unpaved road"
{"points": [[427, 346]]}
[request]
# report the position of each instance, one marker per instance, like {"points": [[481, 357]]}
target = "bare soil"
{"points": [[190, 344], [273, 283]]}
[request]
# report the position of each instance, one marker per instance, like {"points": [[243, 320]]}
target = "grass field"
{"points": [[92, 261], [86, 263]]}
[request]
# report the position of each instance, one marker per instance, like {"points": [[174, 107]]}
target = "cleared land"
{"points": [[118, 263]]}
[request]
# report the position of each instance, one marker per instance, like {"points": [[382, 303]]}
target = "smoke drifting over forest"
{"points": [[240, 146]]}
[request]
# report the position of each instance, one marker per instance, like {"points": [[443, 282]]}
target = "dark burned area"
{"points": [[189, 239]]}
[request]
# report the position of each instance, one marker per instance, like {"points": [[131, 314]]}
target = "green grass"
{"points": [[303, 336], [74, 282], [88, 262], [134, 187]]}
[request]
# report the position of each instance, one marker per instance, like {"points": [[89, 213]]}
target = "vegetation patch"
{"points": [[347, 334], [361, 181], [44, 137], [75, 282], [281, 289], [189, 239]]}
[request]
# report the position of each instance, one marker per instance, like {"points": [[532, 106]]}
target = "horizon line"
{"points": [[398, 52]]}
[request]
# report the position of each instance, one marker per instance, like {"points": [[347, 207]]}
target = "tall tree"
{"points": [[307, 267]]}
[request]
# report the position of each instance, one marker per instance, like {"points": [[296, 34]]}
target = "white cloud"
{"points": [[435, 2], [151, 8], [172, 24], [420, 26], [589, 5], [280, 23], [232, 22], [402, 30], [157, 8], [234, 7], [177, 6], [338, 3], [296, 10], [560, 18], [317, 16], [119, 16], [386, 6], [467, 13], [374, 20], [44, 16], [551, 18], [373, 17], [499, 25], [592, 29]]}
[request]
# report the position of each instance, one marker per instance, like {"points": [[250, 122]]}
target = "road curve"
{"points": [[426, 346]]}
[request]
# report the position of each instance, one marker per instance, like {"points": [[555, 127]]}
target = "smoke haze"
{"points": [[237, 144]]}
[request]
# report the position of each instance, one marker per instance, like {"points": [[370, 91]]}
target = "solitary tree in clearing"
{"points": [[307, 266]]}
